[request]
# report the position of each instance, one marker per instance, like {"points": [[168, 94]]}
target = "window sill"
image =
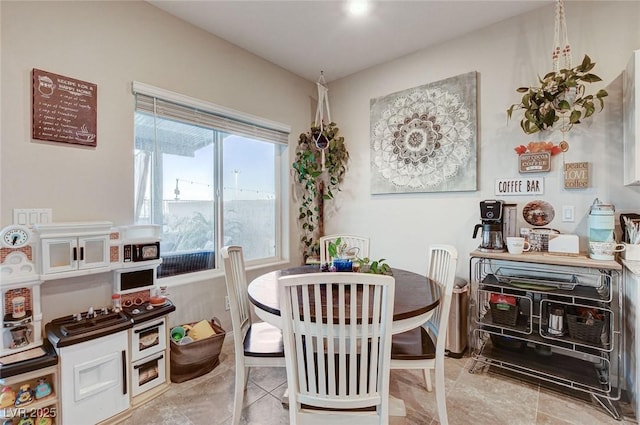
{"points": [[189, 278]]}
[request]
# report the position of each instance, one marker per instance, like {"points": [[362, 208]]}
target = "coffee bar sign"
{"points": [[533, 186], [64, 109]]}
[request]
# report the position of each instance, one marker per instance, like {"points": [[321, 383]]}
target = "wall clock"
{"points": [[15, 236]]}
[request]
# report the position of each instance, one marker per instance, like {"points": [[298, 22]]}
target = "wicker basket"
{"points": [[198, 357], [504, 314], [578, 329]]}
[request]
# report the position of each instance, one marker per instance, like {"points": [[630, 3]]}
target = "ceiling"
{"points": [[307, 37]]}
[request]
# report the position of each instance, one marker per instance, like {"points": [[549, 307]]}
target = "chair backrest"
{"points": [[351, 241], [443, 260], [236, 279], [338, 352]]}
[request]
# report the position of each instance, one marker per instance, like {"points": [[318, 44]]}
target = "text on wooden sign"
{"points": [[534, 162], [63, 109], [576, 175]]}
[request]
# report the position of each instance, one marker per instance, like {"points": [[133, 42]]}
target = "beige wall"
{"points": [[112, 44], [507, 55]]}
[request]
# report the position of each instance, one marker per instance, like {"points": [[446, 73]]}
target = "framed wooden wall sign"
{"points": [[576, 175], [63, 109], [534, 162]]}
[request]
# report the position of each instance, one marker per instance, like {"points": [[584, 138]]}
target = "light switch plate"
{"points": [[568, 213], [31, 216]]}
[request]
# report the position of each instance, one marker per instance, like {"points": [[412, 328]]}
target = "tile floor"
{"points": [[478, 399]]}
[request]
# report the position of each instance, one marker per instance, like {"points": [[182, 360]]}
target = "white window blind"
{"points": [[182, 108]]}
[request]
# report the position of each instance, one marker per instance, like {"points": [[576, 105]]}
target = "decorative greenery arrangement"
{"points": [[336, 248], [545, 105], [537, 147], [309, 173], [375, 267]]}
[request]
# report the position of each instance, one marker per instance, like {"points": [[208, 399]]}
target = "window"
{"points": [[210, 176]]}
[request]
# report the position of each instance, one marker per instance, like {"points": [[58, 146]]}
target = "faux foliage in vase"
{"points": [[319, 168]]}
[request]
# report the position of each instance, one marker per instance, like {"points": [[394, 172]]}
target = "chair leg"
{"points": [[427, 378], [441, 401], [238, 396]]}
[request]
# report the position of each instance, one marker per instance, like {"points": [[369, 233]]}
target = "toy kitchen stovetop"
{"points": [[126, 349]]}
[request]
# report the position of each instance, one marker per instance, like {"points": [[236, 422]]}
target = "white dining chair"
{"points": [[415, 349], [256, 344], [351, 241], [337, 351]]}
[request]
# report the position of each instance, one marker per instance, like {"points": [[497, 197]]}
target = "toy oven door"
{"points": [[148, 373], [148, 338]]}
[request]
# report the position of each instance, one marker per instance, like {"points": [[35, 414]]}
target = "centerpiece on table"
{"points": [[344, 259]]}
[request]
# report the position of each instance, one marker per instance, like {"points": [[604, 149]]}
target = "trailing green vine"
{"points": [[308, 172]]}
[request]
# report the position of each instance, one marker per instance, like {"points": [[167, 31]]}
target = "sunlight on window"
{"points": [[176, 169]]}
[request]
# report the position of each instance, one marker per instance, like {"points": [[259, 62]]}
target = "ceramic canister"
{"points": [[601, 225], [18, 307]]}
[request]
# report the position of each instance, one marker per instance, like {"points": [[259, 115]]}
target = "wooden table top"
{"points": [[414, 294], [579, 260]]}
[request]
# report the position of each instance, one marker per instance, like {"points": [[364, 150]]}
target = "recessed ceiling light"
{"points": [[357, 7]]}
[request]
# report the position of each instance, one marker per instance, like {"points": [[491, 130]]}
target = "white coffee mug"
{"points": [[604, 250], [517, 245]]}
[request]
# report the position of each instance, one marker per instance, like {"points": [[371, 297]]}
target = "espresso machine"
{"points": [[491, 217]]}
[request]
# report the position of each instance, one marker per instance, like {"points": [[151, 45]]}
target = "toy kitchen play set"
{"points": [[94, 365]]}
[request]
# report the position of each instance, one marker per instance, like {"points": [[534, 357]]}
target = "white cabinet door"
{"points": [[631, 329], [59, 255], [74, 253], [74, 248], [93, 252], [631, 120], [94, 379]]}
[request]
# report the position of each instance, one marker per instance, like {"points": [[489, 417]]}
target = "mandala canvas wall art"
{"points": [[424, 139]]}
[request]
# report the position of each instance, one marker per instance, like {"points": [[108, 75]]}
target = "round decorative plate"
{"points": [[538, 213]]}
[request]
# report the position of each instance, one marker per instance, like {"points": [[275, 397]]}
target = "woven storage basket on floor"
{"points": [[198, 357], [580, 330]]}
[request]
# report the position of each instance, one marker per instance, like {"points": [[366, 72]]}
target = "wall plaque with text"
{"points": [[534, 162], [63, 109], [576, 175]]}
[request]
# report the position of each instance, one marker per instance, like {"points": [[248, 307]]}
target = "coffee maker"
{"points": [[491, 217]]}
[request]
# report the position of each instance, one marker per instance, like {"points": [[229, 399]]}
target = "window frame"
{"points": [[237, 118]]}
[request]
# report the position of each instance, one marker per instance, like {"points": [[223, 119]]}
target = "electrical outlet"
{"points": [[226, 303]]}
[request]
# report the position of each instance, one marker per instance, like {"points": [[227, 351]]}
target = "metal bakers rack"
{"points": [[590, 363]]}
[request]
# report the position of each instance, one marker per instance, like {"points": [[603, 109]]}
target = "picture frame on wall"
{"points": [[424, 139], [64, 109]]}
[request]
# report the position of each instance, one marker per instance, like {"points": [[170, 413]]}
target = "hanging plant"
{"points": [[321, 156], [561, 95], [561, 100]]}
